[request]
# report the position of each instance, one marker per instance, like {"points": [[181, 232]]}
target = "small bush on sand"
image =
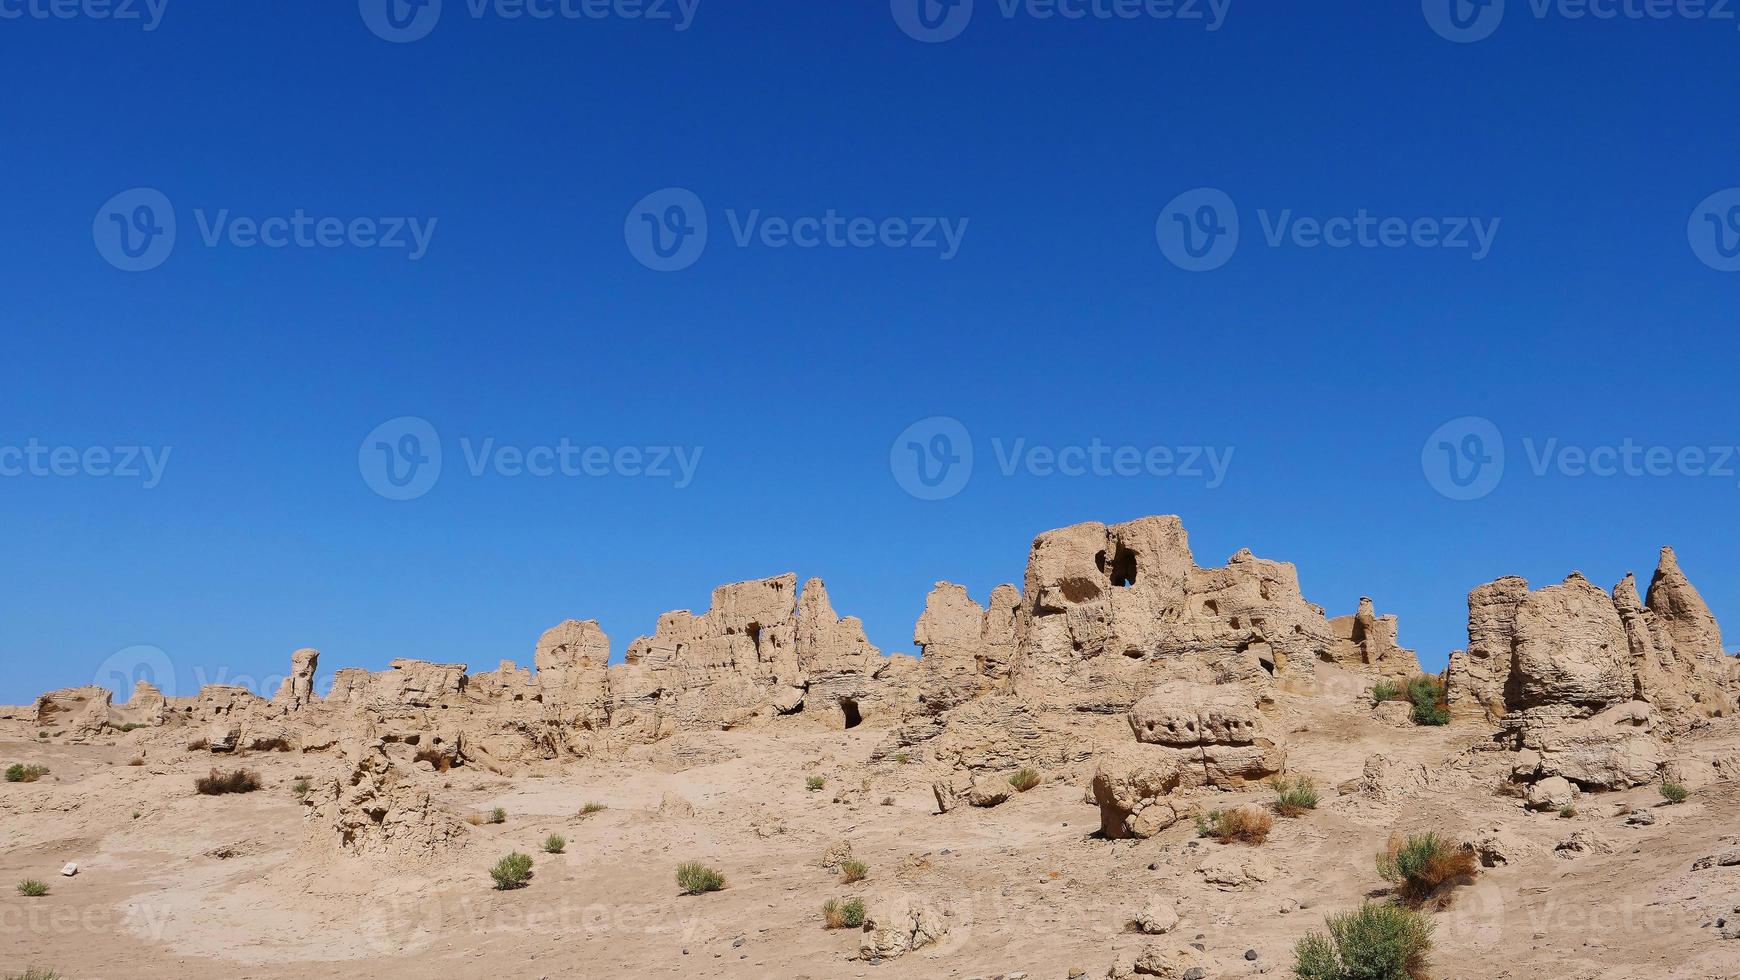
{"points": [[198, 745], [512, 872], [1427, 694], [35, 973], [476, 819], [1295, 795], [853, 871], [1671, 792], [302, 787], [591, 808], [555, 844], [1419, 866], [843, 915], [1246, 825], [698, 879], [128, 727], [18, 772], [498, 815], [31, 888], [1387, 690], [1567, 811], [136, 761], [218, 783], [815, 783], [904, 758], [1024, 780], [1378, 942]]}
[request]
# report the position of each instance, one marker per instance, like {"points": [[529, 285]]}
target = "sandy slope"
{"points": [[230, 886]]}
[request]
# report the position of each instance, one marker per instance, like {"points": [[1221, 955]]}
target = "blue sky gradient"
{"points": [[1595, 319]]}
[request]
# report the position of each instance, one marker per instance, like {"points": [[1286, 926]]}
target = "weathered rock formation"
{"points": [[373, 811], [1583, 681], [1188, 736], [1367, 641]]}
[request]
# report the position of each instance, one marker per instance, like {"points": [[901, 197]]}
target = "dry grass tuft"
{"points": [[221, 783], [1420, 867], [1245, 825]]}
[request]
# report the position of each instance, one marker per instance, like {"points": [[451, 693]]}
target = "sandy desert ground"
{"points": [[173, 884]]}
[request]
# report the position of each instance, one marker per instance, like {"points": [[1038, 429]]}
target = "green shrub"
{"points": [[698, 879], [1024, 779], [512, 872], [1567, 811], [903, 757], [498, 815], [35, 973], [1387, 690], [1420, 865], [1671, 792], [18, 772], [1427, 694], [815, 783], [128, 727], [1293, 796], [31, 888], [853, 871], [1378, 942], [555, 844], [591, 808], [843, 915]]}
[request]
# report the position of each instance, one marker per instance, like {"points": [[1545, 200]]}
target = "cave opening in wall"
{"points": [[849, 709], [1120, 569]]}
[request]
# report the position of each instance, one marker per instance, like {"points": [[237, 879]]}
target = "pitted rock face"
{"points": [[1180, 713], [1111, 611]]}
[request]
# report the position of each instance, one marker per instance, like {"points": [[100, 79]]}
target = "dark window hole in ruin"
{"points": [[849, 708]]}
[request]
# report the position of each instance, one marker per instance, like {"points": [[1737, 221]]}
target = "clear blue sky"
{"points": [[1060, 320]]}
